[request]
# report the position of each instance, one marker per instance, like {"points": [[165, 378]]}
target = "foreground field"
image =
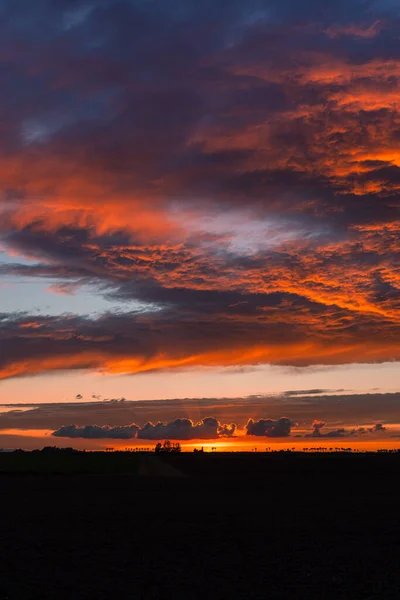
{"points": [[211, 526]]}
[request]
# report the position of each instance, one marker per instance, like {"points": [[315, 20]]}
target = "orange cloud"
{"points": [[117, 361], [255, 191]]}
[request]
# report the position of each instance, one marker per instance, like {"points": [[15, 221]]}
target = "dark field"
{"points": [[220, 526]]}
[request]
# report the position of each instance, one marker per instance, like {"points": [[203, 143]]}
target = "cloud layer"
{"points": [[208, 428], [97, 432], [341, 411], [269, 427], [231, 170], [179, 429]]}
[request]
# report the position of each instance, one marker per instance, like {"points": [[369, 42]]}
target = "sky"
{"points": [[199, 200]]}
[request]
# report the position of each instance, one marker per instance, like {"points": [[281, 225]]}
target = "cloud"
{"points": [[179, 429], [171, 339], [207, 428], [317, 426], [335, 433], [378, 427], [97, 432], [291, 393], [342, 432], [270, 428], [243, 182], [344, 410], [185, 429]]}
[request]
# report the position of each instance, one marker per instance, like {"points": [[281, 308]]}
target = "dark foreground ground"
{"points": [[203, 526]]}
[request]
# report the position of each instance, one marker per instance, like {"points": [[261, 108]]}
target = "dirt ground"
{"points": [[237, 527]]}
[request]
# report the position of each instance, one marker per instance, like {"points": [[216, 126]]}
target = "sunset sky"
{"points": [[199, 213]]}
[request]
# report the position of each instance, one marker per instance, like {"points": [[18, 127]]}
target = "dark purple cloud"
{"points": [[179, 429], [270, 428], [185, 429], [317, 433], [342, 432], [97, 432], [207, 428]]}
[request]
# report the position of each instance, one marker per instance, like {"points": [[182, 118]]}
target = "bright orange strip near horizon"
{"points": [[38, 438]]}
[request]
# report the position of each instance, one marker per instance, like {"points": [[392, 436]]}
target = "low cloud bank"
{"points": [[185, 429], [179, 429], [319, 425], [317, 433], [97, 432], [208, 428], [269, 428]]}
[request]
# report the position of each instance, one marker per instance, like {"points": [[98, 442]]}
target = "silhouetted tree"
{"points": [[56, 450], [167, 446]]}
